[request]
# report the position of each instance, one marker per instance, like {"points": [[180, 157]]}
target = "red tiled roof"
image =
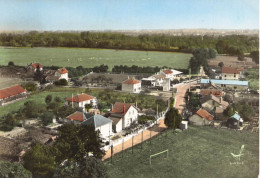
{"points": [[210, 92], [204, 114], [62, 71], [12, 91], [120, 108], [35, 65], [229, 70], [167, 71], [131, 81], [80, 98], [76, 116]]}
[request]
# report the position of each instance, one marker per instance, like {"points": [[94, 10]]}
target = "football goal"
{"points": [[156, 154]]}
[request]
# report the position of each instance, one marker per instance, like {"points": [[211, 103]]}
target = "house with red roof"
{"points": [[62, 73], [12, 94], [122, 116], [34, 66], [201, 117], [80, 100], [131, 85], [229, 73]]}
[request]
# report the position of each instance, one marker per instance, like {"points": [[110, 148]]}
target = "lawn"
{"points": [[196, 152], [86, 57], [110, 97]]}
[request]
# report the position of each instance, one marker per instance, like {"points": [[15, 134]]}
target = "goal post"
{"points": [[156, 154]]}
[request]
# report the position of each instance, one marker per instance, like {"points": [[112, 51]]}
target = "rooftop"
{"points": [[211, 91], [224, 82], [80, 98], [204, 114], [131, 81], [12, 91], [229, 70], [96, 120], [120, 108], [36, 65], [62, 71]]}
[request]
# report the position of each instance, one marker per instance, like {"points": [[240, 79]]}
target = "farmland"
{"points": [[196, 152], [86, 57]]}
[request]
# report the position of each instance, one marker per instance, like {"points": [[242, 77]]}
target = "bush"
{"points": [[144, 119], [46, 118], [31, 87], [8, 170], [63, 82], [10, 63]]}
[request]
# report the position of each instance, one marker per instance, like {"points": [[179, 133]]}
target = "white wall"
{"points": [[105, 130], [130, 117], [230, 76], [133, 88]]}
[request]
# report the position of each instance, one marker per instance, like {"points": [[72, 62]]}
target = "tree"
{"points": [[39, 160], [76, 142], [241, 57], [221, 64], [10, 63], [228, 98], [9, 122], [8, 170], [65, 111], [57, 99], [63, 82], [88, 106], [255, 56], [31, 87], [46, 118], [172, 119], [89, 167], [31, 109], [48, 99]]}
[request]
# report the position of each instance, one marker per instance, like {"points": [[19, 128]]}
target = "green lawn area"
{"points": [[197, 152], [101, 94], [86, 57]]}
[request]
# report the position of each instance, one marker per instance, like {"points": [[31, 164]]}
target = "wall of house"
{"points": [[133, 88], [197, 120], [226, 76], [105, 130], [208, 105], [64, 76], [119, 126], [130, 117]]}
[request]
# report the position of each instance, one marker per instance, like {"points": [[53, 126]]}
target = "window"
{"points": [[225, 75], [234, 75]]}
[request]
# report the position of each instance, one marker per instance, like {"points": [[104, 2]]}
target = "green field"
{"points": [[197, 152], [86, 57]]}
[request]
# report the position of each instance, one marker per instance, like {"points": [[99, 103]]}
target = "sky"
{"points": [[128, 14]]}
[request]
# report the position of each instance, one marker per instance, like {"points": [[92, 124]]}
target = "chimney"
{"points": [[136, 104], [127, 77]]}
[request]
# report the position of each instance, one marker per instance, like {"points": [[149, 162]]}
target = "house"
{"points": [[122, 115], [131, 85], [166, 84], [235, 121], [170, 73], [80, 100], [34, 67], [229, 73], [100, 123], [12, 94], [202, 117], [225, 84], [213, 104], [62, 73]]}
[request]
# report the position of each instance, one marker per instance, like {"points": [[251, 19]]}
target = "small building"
{"points": [[100, 123], [202, 117], [229, 73], [184, 125], [80, 100], [34, 67], [213, 104], [122, 115], [207, 92], [62, 73], [170, 73], [225, 84], [166, 84], [235, 121], [12, 94], [131, 85]]}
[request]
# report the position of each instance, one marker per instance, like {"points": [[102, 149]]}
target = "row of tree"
{"points": [[230, 44]]}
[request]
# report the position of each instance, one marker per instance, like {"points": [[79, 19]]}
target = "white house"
{"points": [[80, 100], [229, 73], [170, 73], [62, 74], [131, 85], [123, 115], [100, 123]]}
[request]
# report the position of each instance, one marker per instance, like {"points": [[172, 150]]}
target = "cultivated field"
{"points": [[74, 57], [196, 152], [7, 82]]}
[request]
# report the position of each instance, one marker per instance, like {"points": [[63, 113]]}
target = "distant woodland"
{"points": [[230, 44]]}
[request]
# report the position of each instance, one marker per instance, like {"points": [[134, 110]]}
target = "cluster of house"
{"points": [[211, 97], [161, 79], [50, 75], [121, 116]]}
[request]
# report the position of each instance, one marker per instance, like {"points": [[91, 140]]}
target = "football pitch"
{"points": [[196, 152]]}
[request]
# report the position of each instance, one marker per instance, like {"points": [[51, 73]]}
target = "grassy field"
{"points": [[7, 82], [196, 152], [74, 57]]}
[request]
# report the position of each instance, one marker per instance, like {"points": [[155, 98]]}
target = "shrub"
{"points": [[144, 119], [63, 82]]}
